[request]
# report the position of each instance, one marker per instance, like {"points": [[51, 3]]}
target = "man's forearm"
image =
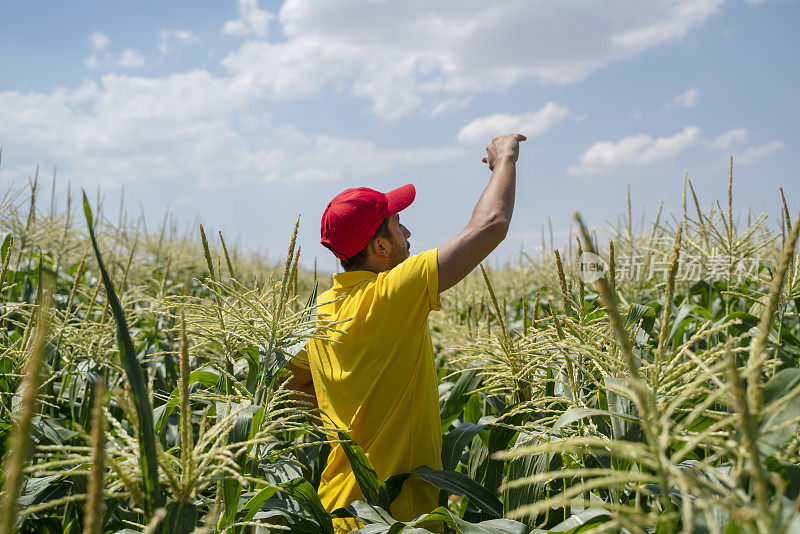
{"points": [[490, 219], [496, 204]]}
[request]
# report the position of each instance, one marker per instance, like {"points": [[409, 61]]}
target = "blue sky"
{"points": [[246, 114]]}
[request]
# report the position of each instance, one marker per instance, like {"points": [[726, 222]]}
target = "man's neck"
{"points": [[373, 265]]}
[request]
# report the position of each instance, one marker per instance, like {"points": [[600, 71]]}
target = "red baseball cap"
{"points": [[354, 215]]}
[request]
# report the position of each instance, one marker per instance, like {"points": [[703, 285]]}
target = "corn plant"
{"points": [[143, 384]]}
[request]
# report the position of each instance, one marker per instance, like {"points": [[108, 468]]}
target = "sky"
{"points": [[244, 115]]}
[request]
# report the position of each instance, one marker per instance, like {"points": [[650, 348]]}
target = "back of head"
{"points": [[355, 217], [359, 261]]}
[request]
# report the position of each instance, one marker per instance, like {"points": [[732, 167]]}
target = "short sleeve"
{"points": [[300, 360], [414, 280]]}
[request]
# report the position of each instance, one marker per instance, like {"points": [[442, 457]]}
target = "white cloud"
{"points": [[293, 69], [727, 140], [92, 62], [99, 41], [481, 130], [680, 17], [416, 55], [181, 127], [402, 55], [733, 141], [327, 158], [171, 40], [449, 104], [755, 153], [252, 20], [635, 150], [686, 99], [132, 129], [131, 59]]}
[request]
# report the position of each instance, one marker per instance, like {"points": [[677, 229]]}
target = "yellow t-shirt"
{"points": [[378, 380]]}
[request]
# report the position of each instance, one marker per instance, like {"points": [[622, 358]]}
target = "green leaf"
{"points": [[160, 416], [232, 489], [500, 438], [371, 514], [231, 493], [583, 520], [453, 443], [394, 484], [148, 457], [372, 488], [576, 414], [255, 503], [478, 455], [527, 466], [4, 250], [203, 376], [48, 431], [376, 528], [492, 526], [502, 526], [459, 396], [773, 432], [181, 518], [305, 494], [38, 490], [625, 424], [733, 527], [284, 506], [682, 320], [161, 413], [790, 474], [780, 385], [637, 312], [461, 484], [473, 409], [748, 321]]}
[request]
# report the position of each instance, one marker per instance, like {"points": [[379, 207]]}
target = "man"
{"points": [[377, 379]]}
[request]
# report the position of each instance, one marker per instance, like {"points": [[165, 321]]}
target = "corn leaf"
{"points": [[154, 499]]}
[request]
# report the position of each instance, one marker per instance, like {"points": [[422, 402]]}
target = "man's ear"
{"points": [[380, 246]]}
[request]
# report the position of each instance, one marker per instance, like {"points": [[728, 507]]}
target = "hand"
{"points": [[505, 146]]}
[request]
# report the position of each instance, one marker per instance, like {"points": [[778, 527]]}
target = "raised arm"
{"points": [[488, 225]]}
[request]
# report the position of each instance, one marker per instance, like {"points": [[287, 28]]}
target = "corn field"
{"points": [[143, 382]]}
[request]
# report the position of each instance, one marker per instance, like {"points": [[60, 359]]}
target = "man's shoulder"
{"points": [[326, 296], [415, 277], [426, 259]]}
